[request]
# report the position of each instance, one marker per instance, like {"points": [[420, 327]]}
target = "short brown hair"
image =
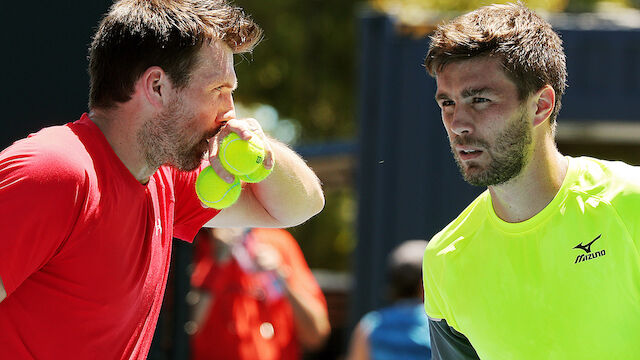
{"points": [[530, 50], [137, 34]]}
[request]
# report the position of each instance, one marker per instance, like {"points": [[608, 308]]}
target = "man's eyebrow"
{"points": [[469, 92], [476, 91], [233, 86]]}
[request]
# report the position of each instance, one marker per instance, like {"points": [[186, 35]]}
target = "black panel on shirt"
{"points": [[449, 344]]}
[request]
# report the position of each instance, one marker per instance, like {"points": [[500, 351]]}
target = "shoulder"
{"points": [[54, 155], [594, 171], [47, 172], [610, 185], [610, 181], [462, 226]]}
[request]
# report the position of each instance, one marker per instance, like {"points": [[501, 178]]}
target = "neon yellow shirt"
{"points": [[564, 284]]}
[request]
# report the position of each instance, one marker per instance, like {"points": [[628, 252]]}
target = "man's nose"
{"points": [[228, 109], [461, 121]]}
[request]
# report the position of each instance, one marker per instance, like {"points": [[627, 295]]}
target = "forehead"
{"points": [[215, 64], [478, 73]]}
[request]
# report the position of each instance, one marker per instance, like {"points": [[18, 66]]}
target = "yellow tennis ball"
{"points": [[257, 176], [215, 192], [241, 157]]}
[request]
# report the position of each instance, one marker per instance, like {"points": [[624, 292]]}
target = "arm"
{"points": [[311, 320], [3, 293], [289, 196], [309, 315], [447, 343], [359, 347]]}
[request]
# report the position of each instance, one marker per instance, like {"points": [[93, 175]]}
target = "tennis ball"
{"points": [[257, 176], [215, 192], [241, 157]]}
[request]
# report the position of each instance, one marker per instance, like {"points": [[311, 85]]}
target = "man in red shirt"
{"points": [[89, 209], [258, 298]]}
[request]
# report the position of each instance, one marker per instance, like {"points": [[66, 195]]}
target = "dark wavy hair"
{"points": [[531, 52], [137, 34]]}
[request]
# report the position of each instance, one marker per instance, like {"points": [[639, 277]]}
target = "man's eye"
{"points": [[480, 100], [446, 103]]}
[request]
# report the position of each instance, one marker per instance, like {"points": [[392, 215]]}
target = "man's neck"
{"points": [[533, 189], [120, 130]]}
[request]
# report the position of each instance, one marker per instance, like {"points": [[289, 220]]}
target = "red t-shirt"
{"points": [[85, 248], [247, 319]]}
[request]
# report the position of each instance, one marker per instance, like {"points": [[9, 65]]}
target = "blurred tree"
{"points": [[463, 5], [408, 6], [304, 67], [328, 239]]}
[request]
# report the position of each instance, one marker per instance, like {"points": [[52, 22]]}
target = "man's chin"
{"points": [[188, 163], [474, 179], [476, 175]]}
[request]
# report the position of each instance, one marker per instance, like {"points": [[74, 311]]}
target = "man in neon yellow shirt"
{"points": [[544, 264]]}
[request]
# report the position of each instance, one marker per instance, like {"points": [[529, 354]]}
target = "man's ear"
{"points": [[154, 85], [545, 102]]}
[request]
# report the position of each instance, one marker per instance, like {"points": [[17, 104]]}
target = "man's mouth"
{"points": [[468, 153]]}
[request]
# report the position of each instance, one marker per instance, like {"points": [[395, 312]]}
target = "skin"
{"points": [[481, 112], [359, 345], [311, 321], [163, 124], [3, 293]]}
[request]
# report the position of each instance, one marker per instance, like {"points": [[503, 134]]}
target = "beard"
{"points": [[170, 139], [507, 156]]}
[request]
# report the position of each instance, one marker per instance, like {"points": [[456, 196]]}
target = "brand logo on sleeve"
{"points": [[588, 255], [158, 227]]}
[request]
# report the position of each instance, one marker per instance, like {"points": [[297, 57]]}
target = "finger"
{"points": [[230, 126], [213, 146], [220, 170], [240, 127], [269, 159]]}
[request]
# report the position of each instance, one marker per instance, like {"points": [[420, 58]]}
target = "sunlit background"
{"points": [[311, 84]]}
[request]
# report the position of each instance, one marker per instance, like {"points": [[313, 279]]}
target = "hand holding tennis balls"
{"points": [[244, 158], [241, 155]]}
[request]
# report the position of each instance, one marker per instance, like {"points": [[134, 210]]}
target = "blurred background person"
{"points": [[256, 297], [401, 330]]}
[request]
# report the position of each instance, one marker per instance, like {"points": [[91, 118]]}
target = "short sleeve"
{"points": [[190, 214], [432, 300], [625, 198], [41, 196]]}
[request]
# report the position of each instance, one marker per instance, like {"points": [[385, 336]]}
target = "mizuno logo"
{"points": [[587, 249]]}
